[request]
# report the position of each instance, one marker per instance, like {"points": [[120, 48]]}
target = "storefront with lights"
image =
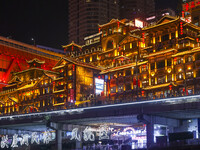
{"points": [[131, 137]]}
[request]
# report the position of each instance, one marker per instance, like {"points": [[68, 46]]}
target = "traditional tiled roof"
{"points": [[192, 25], [187, 52], [160, 52], [39, 69], [122, 67], [122, 57], [127, 36], [50, 75], [72, 44], [26, 86], [166, 17], [160, 23], [35, 60], [112, 21], [76, 62], [13, 99], [14, 80]]}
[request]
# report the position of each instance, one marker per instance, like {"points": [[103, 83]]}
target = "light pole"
{"points": [[32, 39]]}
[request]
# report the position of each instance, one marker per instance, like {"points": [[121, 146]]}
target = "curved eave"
{"points": [[36, 60], [187, 52], [159, 53], [123, 67], [161, 24]]}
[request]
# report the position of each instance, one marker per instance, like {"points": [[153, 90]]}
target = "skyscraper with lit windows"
{"points": [[85, 15]]}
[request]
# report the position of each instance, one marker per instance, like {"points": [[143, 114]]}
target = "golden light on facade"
{"points": [[176, 33], [69, 85], [115, 53], [180, 70], [169, 70], [152, 74], [131, 45], [154, 40], [28, 93], [189, 67], [70, 73]]}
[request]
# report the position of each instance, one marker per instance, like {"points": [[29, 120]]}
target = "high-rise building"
{"points": [[131, 9], [85, 15]]}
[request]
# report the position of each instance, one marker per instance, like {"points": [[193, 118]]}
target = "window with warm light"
{"points": [[120, 88], [179, 76], [113, 89], [161, 80]]}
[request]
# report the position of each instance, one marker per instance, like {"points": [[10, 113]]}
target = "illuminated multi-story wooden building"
{"points": [[156, 61], [121, 63]]}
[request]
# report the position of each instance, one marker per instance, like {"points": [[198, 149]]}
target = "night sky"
{"points": [[44, 20]]}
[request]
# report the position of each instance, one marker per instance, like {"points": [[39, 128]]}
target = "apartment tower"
{"points": [[85, 15]]}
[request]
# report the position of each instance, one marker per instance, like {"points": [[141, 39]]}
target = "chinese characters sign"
{"points": [[89, 135], [24, 139]]}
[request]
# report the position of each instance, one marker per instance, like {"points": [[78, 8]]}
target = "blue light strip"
{"points": [[79, 110]]}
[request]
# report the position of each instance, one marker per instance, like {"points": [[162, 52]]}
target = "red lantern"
{"points": [[170, 87]]}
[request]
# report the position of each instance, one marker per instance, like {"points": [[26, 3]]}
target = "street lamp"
{"points": [[32, 39]]}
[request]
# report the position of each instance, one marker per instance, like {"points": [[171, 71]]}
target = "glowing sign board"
{"points": [[24, 139], [139, 23], [99, 85]]}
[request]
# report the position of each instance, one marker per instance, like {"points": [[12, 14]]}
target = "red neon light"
{"points": [[192, 5], [170, 87], [186, 6], [181, 27], [197, 40], [143, 37], [73, 67], [142, 92], [117, 25], [72, 48], [119, 48], [183, 14], [99, 30]]}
